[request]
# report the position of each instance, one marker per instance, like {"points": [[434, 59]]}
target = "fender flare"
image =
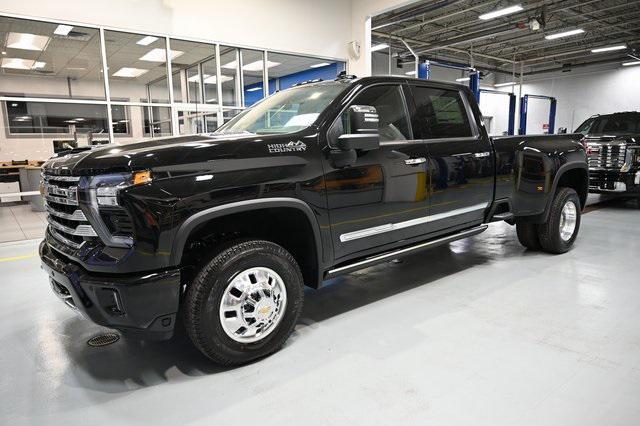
{"points": [[185, 229], [554, 186]]}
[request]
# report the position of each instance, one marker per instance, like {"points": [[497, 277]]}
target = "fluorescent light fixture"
{"points": [[254, 89], [609, 49], [129, 72], [208, 79], [564, 34], [146, 40], [511, 83], [27, 41], [252, 66], [630, 64], [501, 12], [39, 65], [17, 63], [4, 53], [321, 64], [410, 72], [463, 79], [63, 30], [160, 55], [379, 47]]}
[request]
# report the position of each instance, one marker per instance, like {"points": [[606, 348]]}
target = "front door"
{"points": [[461, 169], [382, 197]]}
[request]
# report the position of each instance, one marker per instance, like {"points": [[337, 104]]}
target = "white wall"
{"points": [[582, 93]]}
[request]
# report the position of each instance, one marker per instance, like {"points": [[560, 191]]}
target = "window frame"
{"points": [[473, 125], [403, 95]]}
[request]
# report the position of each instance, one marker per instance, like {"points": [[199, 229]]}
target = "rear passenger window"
{"points": [[440, 114]]}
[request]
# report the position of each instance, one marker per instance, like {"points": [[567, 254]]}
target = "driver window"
{"points": [[392, 117]]}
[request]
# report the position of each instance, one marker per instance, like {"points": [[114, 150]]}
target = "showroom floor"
{"points": [[477, 332], [19, 222]]}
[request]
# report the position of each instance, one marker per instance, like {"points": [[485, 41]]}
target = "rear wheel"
{"points": [[528, 235], [244, 303], [560, 231]]}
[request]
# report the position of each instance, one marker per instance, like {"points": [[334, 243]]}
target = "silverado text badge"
{"points": [[292, 146]]}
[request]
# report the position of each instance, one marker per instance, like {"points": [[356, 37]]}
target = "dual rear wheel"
{"points": [[558, 234]]}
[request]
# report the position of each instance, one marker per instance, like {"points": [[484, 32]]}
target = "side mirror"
{"points": [[362, 132]]}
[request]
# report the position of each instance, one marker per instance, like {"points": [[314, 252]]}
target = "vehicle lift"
{"points": [[524, 105]]}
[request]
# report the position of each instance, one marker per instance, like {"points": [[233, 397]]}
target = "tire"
{"points": [[251, 274], [528, 235], [551, 238]]}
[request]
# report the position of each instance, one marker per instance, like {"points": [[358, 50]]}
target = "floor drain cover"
{"points": [[103, 340]]}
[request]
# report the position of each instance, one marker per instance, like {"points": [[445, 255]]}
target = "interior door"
{"points": [[382, 197], [461, 170]]}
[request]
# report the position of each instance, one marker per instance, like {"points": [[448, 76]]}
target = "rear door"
{"points": [[382, 197], [461, 170]]}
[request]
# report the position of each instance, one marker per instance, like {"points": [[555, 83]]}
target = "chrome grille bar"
{"points": [[77, 215], [80, 230], [64, 240]]}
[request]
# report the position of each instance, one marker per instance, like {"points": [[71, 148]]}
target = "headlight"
{"points": [[99, 197], [108, 186]]}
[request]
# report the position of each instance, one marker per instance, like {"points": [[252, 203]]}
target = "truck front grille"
{"points": [[607, 156], [67, 223]]}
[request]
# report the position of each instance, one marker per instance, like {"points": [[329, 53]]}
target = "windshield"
{"points": [[615, 124], [285, 112]]}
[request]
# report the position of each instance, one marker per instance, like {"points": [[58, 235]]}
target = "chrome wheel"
{"points": [[568, 219], [253, 304]]}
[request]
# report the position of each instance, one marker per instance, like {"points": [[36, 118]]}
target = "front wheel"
{"points": [[559, 233], [244, 303]]}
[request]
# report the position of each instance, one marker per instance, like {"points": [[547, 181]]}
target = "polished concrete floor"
{"points": [[18, 222], [478, 332]]}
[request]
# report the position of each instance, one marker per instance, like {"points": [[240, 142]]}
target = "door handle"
{"points": [[415, 161]]}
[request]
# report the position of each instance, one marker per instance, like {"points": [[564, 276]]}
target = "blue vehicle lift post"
{"points": [[524, 105], [512, 107]]}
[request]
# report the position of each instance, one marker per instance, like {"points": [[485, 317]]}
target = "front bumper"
{"points": [[140, 305], [608, 181]]}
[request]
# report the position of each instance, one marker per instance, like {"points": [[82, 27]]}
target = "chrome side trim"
{"points": [[362, 233], [407, 250]]}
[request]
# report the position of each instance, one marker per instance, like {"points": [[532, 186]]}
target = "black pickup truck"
{"points": [[613, 149], [220, 232]]}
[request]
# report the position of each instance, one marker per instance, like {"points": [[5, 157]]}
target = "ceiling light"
{"points": [[410, 73], [254, 89], [4, 53], [321, 64], [129, 72], [26, 41], [463, 79], [629, 64], [146, 40], [252, 66], [39, 65], [63, 30], [208, 79], [17, 63], [379, 47], [511, 83], [564, 34], [609, 49], [160, 55], [501, 12]]}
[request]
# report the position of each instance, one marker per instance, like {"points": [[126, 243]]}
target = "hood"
{"points": [[159, 154]]}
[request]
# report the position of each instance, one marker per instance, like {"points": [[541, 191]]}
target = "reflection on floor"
{"points": [[19, 222], [480, 331]]}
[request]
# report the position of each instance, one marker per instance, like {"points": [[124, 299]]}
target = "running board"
{"points": [[403, 252]]}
